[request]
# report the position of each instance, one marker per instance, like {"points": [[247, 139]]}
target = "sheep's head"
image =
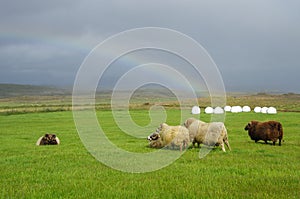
{"points": [[50, 139], [153, 136], [156, 143], [251, 124], [156, 134], [248, 126]]}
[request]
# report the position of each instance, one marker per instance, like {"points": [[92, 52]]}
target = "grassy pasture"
{"points": [[250, 170]]}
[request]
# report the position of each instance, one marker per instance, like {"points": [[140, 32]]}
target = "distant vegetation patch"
{"points": [[16, 99], [13, 90]]}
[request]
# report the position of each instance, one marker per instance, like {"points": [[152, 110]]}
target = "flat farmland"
{"points": [[250, 170]]}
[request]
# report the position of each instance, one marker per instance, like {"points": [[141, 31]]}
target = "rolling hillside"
{"points": [[15, 90]]}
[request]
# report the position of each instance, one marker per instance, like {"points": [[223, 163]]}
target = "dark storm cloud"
{"points": [[254, 43]]}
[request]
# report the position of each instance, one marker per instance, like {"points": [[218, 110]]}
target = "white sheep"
{"points": [[166, 136], [257, 109], [209, 110], [196, 110], [246, 109], [210, 134]]}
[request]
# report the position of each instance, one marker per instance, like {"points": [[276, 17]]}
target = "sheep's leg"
{"points": [[185, 145], [279, 142], [274, 143], [223, 147], [266, 141], [227, 144], [194, 144]]}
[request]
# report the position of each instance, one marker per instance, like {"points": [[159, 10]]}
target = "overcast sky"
{"points": [[255, 43]]}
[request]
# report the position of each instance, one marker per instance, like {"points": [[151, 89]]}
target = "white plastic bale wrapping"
{"points": [[209, 110], [257, 109], [246, 109], [227, 108], [218, 110], [236, 109], [272, 110], [264, 109], [196, 110]]}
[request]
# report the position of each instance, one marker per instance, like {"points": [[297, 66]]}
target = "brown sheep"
{"points": [[265, 131]]}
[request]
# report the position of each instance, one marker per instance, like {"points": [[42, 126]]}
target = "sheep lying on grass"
{"points": [[211, 134], [265, 131], [48, 139], [166, 135]]}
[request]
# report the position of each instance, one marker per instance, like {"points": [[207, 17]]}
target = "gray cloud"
{"points": [[254, 43]]}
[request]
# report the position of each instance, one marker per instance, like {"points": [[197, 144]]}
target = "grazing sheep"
{"points": [[166, 135], [265, 131], [48, 139], [213, 133]]}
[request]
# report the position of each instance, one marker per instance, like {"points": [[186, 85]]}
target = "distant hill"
{"points": [[15, 90]]}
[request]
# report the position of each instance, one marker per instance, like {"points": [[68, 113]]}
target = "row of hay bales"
{"points": [[234, 109]]}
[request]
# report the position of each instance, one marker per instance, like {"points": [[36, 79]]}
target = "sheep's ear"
{"points": [[53, 135], [46, 135]]}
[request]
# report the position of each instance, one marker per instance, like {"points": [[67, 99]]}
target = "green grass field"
{"points": [[250, 170]]}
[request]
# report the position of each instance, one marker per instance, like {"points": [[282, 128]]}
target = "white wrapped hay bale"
{"points": [[218, 110], [209, 110], [246, 109], [196, 110], [257, 109], [227, 108], [271, 110], [236, 109], [264, 109]]}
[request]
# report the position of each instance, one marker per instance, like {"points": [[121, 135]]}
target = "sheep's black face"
{"points": [[50, 139], [153, 136], [247, 127]]}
